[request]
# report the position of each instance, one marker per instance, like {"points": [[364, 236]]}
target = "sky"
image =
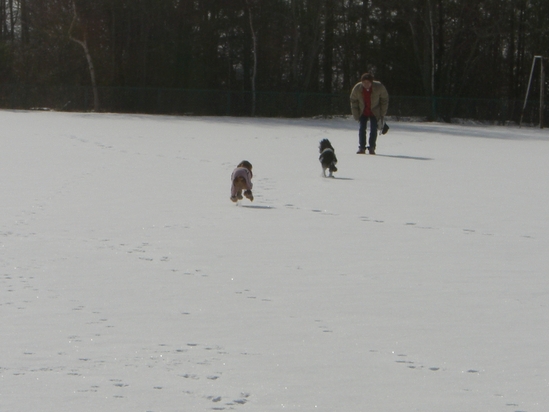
{"points": [[414, 280]]}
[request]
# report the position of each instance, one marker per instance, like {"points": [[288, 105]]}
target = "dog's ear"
{"points": [[245, 164]]}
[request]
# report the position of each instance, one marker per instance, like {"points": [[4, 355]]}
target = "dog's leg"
{"points": [[249, 195]]}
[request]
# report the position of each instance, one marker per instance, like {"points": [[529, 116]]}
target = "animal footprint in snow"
{"points": [[190, 376], [367, 219], [412, 365], [409, 364], [324, 328]]}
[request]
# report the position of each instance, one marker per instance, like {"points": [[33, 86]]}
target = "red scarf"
{"points": [[366, 94]]}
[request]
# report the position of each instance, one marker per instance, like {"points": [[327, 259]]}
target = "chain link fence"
{"points": [[263, 104]]}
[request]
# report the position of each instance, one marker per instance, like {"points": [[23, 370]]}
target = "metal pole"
{"points": [[541, 93], [528, 89]]}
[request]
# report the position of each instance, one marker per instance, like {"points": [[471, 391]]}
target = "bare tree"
{"points": [[84, 44], [329, 27], [254, 47], [7, 20]]}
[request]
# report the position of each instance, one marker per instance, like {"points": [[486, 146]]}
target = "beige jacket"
{"points": [[379, 99]]}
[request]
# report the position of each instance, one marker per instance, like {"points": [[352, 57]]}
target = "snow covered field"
{"points": [[416, 280]]}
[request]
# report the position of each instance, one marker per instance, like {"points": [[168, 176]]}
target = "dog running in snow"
{"points": [[327, 158], [241, 179]]}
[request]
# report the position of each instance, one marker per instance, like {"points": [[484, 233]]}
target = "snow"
{"points": [[415, 280]]}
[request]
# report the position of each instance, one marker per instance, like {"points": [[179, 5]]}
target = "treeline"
{"points": [[460, 48]]}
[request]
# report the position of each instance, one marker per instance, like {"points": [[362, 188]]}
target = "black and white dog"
{"points": [[327, 157]]}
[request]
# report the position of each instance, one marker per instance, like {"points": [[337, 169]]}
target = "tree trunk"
{"points": [[84, 45], [25, 36], [432, 48], [328, 46], [254, 51], [311, 57]]}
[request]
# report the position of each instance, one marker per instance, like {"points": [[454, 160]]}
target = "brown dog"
{"points": [[241, 179]]}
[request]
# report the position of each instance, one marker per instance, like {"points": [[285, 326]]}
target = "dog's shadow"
{"points": [[405, 157], [337, 178], [257, 206]]}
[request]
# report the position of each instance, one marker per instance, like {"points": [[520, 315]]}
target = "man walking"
{"points": [[369, 102]]}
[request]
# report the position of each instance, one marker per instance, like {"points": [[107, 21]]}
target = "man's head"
{"points": [[367, 79]]}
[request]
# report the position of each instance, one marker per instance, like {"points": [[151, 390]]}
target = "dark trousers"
{"points": [[362, 132]]}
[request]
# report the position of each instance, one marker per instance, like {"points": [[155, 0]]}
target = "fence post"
{"points": [[158, 100], [13, 93], [541, 93], [433, 108], [504, 110], [299, 104]]}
